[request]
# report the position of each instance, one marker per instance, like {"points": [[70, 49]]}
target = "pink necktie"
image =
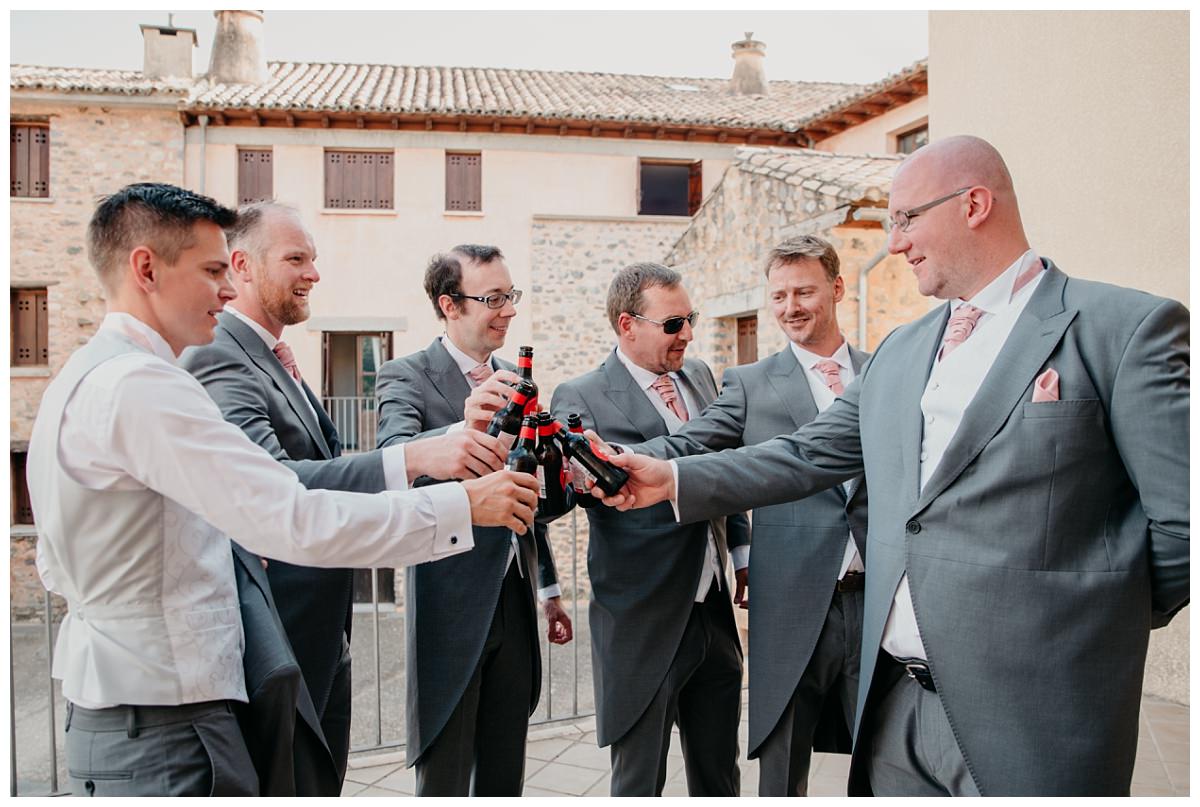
{"points": [[960, 327], [480, 373], [288, 359], [832, 372], [665, 388]]}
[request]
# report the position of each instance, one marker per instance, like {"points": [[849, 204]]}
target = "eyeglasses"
{"points": [[496, 300], [903, 218], [671, 325]]}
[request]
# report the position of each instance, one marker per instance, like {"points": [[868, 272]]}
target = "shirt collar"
{"points": [[807, 358], [999, 293], [266, 335], [140, 333], [465, 363], [643, 377]]}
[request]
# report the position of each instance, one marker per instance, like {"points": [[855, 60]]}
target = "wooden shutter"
{"points": [[695, 187], [359, 180], [30, 328], [464, 184], [22, 510], [747, 339], [29, 160], [256, 181], [326, 364]]}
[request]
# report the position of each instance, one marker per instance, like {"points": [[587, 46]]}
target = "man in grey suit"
{"points": [[474, 663], [245, 369], [1025, 446], [665, 649], [806, 569]]}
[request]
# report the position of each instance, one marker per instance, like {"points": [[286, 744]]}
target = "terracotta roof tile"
{"points": [[78, 79], [848, 177]]}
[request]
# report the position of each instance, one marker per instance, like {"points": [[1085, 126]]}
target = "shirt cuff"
{"points": [[452, 509], [675, 498], [395, 470], [740, 555], [456, 427], [549, 593]]}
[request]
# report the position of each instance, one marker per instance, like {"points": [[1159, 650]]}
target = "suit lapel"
{"points": [[327, 427], [787, 378], [265, 360], [631, 401], [446, 378], [1036, 333], [857, 359]]}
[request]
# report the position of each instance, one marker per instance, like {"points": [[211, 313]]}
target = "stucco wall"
{"points": [[877, 136]]}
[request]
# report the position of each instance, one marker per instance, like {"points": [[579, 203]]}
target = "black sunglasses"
{"points": [[671, 325]]}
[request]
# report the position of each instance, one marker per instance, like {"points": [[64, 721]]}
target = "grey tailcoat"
{"points": [[644, 567], [798, 546], [1047, 543], [450, 603], [255, 393]]}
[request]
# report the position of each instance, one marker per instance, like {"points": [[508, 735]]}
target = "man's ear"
{"points": [[448, 306], [143, 266], [979, 205], [239, 262], [624, 324], [839, 289]]}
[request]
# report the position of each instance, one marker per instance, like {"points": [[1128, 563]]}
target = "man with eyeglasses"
{"points": [[1025, 447], [665, 648], [473, 671]]}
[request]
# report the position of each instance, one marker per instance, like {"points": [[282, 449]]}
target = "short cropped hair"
{"points": [[246, 233], [802, 247], [443, 275], [151, 213], [625, 291]]}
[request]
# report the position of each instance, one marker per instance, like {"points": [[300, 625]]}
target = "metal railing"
{"points": [[355, 420]]}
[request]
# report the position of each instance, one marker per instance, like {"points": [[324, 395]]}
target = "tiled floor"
{"points": [[564, 760]]}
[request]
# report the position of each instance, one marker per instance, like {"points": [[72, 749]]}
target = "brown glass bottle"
{"points": [[581, 480], [505, 425], [523, 458], [609, 477], [525, 371], [552, 471]]}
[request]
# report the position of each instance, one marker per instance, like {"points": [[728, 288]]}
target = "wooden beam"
{"points": [[722, 136], [428, 124], [595, 131], [529, 127], [562, 130], [325, 121]]}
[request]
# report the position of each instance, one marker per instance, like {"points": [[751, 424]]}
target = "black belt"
{"points": [[852, 581], [919, 671]]}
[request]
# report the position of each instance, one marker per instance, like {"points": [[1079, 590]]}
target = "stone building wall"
{"points": [[93, 151]]}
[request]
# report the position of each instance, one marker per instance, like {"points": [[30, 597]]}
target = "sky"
{"points": [[850, 46]]}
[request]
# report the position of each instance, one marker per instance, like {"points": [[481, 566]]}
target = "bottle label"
{"points": [[541, 478], [507, 440], [581, 478], [525, 362]]}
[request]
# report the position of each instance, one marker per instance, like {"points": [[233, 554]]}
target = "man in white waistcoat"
{"points": [[138, 484]]}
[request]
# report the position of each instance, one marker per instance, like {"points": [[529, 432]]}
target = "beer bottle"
{"points": [[609, 477], [522, 458], [581, 480], [505, 425], [525, 370], [552, 471]]}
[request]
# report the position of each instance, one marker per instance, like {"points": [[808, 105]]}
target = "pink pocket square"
{"points": [[1045, 388]]}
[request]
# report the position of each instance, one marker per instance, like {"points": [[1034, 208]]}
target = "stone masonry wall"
{"points": [[93, 151]]}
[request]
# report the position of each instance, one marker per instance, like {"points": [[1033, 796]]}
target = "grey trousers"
{"points": [[481, 749], [702, 692], [832, 672], [190, 750], [912, 750]]}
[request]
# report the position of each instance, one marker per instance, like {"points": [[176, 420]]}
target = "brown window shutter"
{"points": [[359, 180], [385, 181], [334, 179], [695, 187], [18, 155], [326, 365], [747, 339], [464, 182], [22, 512], [30, 328], [255, 181]]}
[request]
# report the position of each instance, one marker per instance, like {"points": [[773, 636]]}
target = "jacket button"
{"points": [[453, 539], [912, 527]]}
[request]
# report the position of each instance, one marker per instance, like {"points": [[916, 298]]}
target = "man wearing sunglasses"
{"points": [[665, 648], [473, 671]]}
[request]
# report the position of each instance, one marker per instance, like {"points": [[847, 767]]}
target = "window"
{"points": [[255, 176], [30, 328], [29, 167], [464, 182], [747, 339], [669, 188], [350, 362], [913, 139], [358, 180], [22, 511]]}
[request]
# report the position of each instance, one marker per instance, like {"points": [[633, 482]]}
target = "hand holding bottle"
{"points": [[488, 398]]}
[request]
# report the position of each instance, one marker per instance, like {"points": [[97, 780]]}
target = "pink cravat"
{"points": [[960, 327], [832, 372], [665, 388], [288, 359], [480, 373]]}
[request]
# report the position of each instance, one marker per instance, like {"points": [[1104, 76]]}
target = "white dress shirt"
{"points": [[952, 385], [823, 397], [645, 380], [466, 364], [137, 422], [395, 472]]}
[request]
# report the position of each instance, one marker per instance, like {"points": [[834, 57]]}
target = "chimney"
{"points": [[749, 70], [238, 56], [168, 51]]}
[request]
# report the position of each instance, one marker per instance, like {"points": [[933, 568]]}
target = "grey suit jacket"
{"points": [[798, 545], [451, 601], [644, 567], [255, 393], [1048, 541]]}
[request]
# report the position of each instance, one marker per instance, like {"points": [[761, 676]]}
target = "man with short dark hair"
{"points": [[806, 569], [474, 665], [665, 649], [137, 483]]}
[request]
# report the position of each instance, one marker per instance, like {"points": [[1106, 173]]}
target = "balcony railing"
{"points": [[355, 420]]}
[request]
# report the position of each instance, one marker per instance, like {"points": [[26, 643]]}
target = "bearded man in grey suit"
{"points": [[1025, 446], [665, 649], [474, 662], [806, 568], [252, 376]]}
